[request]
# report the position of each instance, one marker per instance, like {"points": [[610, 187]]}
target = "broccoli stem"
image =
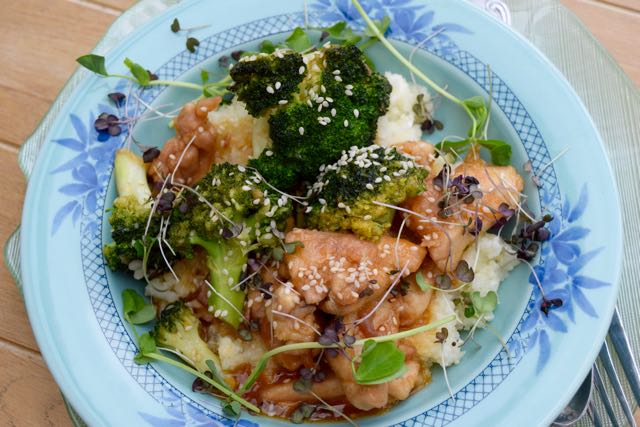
{"points": [[225, 260]]}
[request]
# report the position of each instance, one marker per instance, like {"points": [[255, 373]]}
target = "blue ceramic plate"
{"points": [[74, 301]]}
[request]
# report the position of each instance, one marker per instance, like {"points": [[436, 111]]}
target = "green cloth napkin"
{"points": [[610, 96]]}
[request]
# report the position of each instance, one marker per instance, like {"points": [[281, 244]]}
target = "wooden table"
{"points": [[40, 40]]}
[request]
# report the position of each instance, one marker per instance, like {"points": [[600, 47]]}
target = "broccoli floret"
{"points": [[178, 329], [344, 194], [238, 213], [261, 81], [338, 107], [278, 169], [130, 212]]}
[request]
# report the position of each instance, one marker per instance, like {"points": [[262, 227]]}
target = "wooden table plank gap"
{"points": [[100, 7], [615, 7], [120, 5], [8, 146], [19, 350], [632, 5]]}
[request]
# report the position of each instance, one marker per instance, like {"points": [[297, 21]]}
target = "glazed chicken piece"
{"points": [[284, 319], [363, 397], [368, 397], [447, 237], [339, 267], [423, 153], [379, 319], [412, 306], [329, 389], [205, 134], [401, 388]]}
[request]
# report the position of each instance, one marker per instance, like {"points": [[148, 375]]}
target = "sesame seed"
{"points": [[329, 99], [323, 89], [346, 123], [367, 217], [270, 89], [338, 78], [333, 112], [356, 113], [283, 102], [336, 72], [268, 153], [348, 92], [369, 186], [325, 104], [278, 85], [301, 130], [246, 188], [301, 69]]}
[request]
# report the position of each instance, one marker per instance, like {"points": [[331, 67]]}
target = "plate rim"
{"points": [[62, 382]]}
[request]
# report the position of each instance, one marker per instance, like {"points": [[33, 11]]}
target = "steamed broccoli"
{"points": [[337, 106], [262, 81], [236, 213], [178, 330], [343, 195], [130, 212]]}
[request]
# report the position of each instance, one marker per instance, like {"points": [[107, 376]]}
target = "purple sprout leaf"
{"points": [[464, 272]]}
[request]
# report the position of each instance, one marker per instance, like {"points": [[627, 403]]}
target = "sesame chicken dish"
{"points": [[305, 251]]}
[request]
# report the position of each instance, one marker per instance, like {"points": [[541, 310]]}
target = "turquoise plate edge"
{"points": [[77, 402]]}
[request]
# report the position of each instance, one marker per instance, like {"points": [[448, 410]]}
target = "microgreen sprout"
{"points": [[108, 124], [378, 363], [191, 42], [262, 363], [137, 311], [144, 78], [302, 413], [475, 107], [467, 105]]}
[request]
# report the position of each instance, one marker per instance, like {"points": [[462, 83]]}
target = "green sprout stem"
{"points": [[412, 67], [262, 363], [499, 338], [222, 389], [222, 83]]}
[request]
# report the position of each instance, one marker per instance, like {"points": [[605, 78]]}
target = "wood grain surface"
{"points": [[40, 40]]}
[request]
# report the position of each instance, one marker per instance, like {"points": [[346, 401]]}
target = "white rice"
{"points": [[235, 352], [400, 124], [494, 262], [425, 343]]}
